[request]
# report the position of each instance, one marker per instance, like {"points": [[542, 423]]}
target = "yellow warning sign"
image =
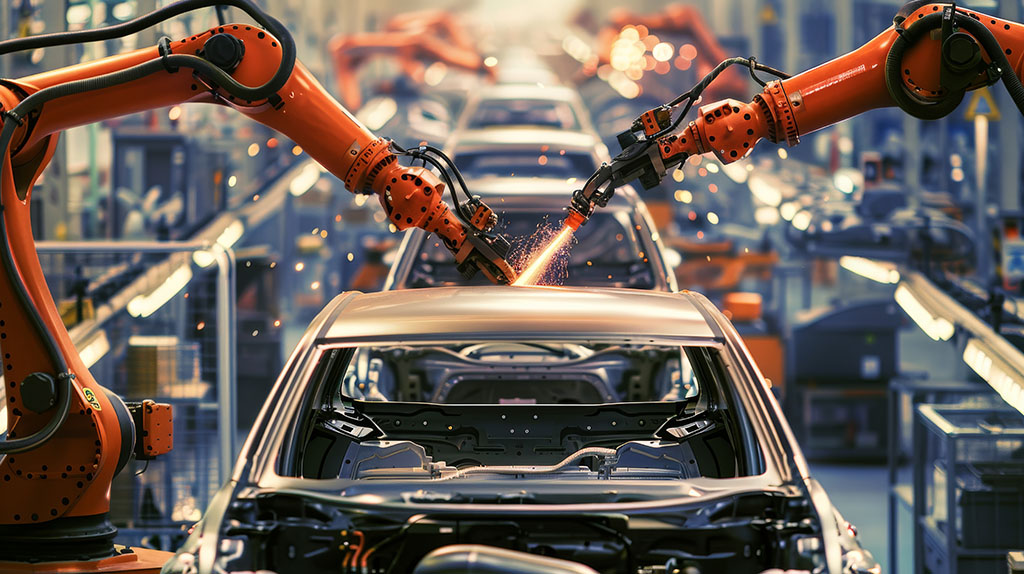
{"points": [[982, 104]]}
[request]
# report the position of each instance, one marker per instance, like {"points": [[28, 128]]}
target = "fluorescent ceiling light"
{"points": [[937, 328], [980, 362], [204, 258], [94, 350], [227, 238], [305, 179], [871, 269], [377, 112], [146, 305], [765, 192], [231, 234], [802, 220]]}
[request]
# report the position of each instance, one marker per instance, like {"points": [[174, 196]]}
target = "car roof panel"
{"points": [[489, 311]]}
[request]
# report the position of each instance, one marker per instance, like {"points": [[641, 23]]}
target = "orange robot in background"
{"points": [[413, 39]]}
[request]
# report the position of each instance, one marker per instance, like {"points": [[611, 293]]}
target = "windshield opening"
{"points": [[524, 112], [523, 409], [606, 252], [560, 164]]}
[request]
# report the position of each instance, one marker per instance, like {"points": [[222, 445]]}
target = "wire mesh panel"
{"points": [[158, 342], [970, 484]]}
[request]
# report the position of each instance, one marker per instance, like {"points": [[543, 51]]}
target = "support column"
{"points": [[912, 163], [1009, 133], [791, 10], [52, 196], [5, 32], [844, 20]]}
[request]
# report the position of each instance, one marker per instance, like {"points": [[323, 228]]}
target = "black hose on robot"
{"points": [[167, 62], [916, 32]]}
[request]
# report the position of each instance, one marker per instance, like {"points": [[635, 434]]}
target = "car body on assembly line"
{"points": [[526, 152], [619, 246], [512, 429], [525, 105]]}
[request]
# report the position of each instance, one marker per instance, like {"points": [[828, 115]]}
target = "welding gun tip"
{"points": [[575, 219]]}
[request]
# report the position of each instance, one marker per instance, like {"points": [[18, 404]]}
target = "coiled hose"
{"points": [[915, 33]]}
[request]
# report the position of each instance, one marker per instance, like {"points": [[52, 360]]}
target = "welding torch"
{"points": [[653, 144], [639, 159]]}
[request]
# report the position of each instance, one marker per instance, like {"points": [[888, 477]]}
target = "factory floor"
{"points": [[859, 492]]}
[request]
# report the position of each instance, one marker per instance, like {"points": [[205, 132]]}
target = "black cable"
{"points": [[917, 31], [753, 74], [988, 41], [454, 168], [16, 116], [447, 180], [695, 92], [219, 76], [427, 155], [894, 72]]}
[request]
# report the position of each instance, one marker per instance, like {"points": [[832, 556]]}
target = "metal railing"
{"points": [[182, 255]]}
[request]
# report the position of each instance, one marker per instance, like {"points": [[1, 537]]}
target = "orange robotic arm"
{"points": [[679, 19], [411, 49], [438, 23], [68, 436], [925, 63]]}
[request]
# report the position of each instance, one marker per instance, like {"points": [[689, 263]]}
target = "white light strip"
{"points": [[227, 238], [95, 349], [231, 234], [1012, 390], [305, 179], [764, 191], [146, 305], [204, 257], [937, 328], [870, 269]]}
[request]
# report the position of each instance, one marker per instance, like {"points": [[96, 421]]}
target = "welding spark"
{"points": [[535, 270]]}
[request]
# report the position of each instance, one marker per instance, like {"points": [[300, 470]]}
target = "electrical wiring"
{"points": [[446, 167], [693, 94]]}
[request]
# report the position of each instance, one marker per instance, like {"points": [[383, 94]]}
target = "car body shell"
{"points": [[544, 197], [497, 94], [457, 313]]}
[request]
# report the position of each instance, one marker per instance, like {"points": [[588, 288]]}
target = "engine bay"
{"points": [[741, 532]]}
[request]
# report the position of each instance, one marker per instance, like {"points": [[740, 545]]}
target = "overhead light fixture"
{"points": [[204, 257], [938, 328], [788, 210], [227, 238], [145, 305], [766, 215], [376, 113], [765, 192], [802, 220], [871, 269], [736, 172], [1009, 388], [231, 234], [305, 179], [95, 349]]}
